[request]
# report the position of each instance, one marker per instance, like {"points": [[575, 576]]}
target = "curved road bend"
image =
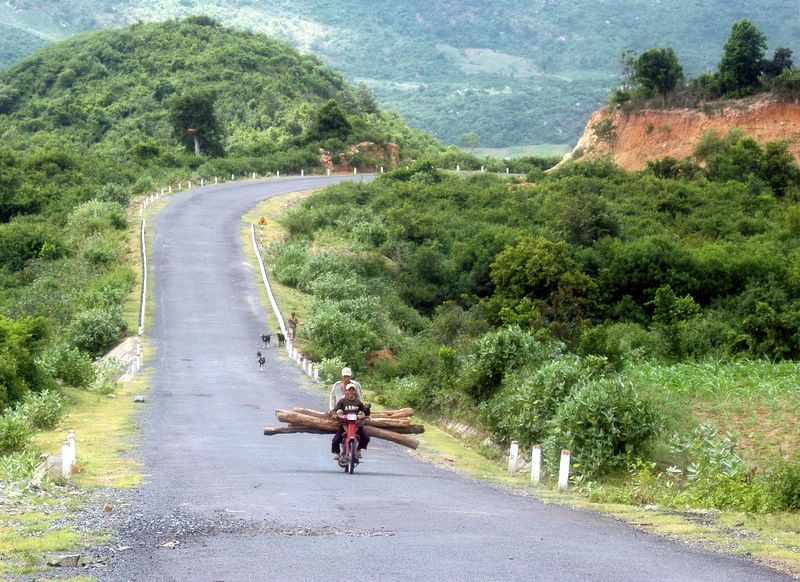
{"points": [[222, 502]]}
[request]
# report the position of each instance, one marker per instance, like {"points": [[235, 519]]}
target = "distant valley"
{"points": [[517, 74]]}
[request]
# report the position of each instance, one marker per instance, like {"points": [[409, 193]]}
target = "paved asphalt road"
{"points": [[222, 502]]}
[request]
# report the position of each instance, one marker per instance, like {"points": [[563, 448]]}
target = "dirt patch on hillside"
{"points": [[633, 138]]}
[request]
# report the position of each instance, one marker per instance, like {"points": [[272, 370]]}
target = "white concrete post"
{"points": [[66, 465], [190, 185], [481, 169], [458, 167], [254, 175], [316, 373], [513, 453], [355, 171], [328, 171], [233, 177], [381, 169], [563, 471], [202, 181], [68, 455], [536, 464], [506, 170], [170, 189], [302, 172], [215, 179], [278, 173], [180, 185]]}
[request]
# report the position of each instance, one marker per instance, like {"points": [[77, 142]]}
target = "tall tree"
{"points": [[194, 122], [781, 60], [742, 59], [331, 122], [657, 71]]}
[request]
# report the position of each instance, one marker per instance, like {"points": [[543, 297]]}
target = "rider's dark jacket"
{"points": [[348, 406]]}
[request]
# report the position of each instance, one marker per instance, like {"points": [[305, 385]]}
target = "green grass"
{"points": [[542, 150], [26, 537]]}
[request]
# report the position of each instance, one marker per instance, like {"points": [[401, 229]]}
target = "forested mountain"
{"points": [[514, 72]]}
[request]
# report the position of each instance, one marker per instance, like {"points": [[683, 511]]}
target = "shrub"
{"points": [[502, 351], [69, 364], [289, 263], [19, 466], [405, 391], [786, 486], [605, 424], [330, 369], [348, 329], [95, 216], [100, 250], [96, 330], [108, 372], [529, 399], [336, 286], [43, 409], [716, 475], [15, 432]]}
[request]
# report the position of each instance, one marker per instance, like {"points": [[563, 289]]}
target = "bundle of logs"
{"points": [[389, 425]]}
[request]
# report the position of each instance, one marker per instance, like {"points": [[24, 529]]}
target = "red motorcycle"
{"points": [[348, 458]]}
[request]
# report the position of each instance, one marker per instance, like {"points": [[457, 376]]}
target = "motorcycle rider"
{"points": [[337, 390], [350, 403]]}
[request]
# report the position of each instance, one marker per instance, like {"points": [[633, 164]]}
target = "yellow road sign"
{"points": [[262, 221]]}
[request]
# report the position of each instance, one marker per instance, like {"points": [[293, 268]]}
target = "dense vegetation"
{"points": [[744, 69], [579, 309], [513, 72], [91, 122]]}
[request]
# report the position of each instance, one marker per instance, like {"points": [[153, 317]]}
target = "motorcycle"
{"points": [[348, 458]]}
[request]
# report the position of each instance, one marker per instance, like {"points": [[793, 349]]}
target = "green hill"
{"points": [[516, 73]]}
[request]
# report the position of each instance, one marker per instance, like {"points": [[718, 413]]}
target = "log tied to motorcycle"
{"points": [[391, 425]]}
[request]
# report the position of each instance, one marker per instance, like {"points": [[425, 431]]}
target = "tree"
{"points": [[194, 122], [781, 61], [658, 71], [742, 59], [331, 122], [470, 140]]}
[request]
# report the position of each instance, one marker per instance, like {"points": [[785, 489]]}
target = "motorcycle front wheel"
{"points": [[351, 458]]}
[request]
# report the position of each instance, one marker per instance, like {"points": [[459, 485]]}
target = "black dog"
{"points": [[281, 339], [265, 338]]}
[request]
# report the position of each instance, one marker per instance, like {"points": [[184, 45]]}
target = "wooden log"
{"points": [[410, 429], [393, 414], [389, 435], [314, 418], [306, 419], [399, 413], [387, 422], [310, 412], [272, 430], [297, 420]]}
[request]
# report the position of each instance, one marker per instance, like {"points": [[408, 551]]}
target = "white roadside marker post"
{"points": [[513, 454], [563, 471], [536, 464]]}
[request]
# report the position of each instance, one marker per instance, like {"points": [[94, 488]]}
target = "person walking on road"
{"points": [[293, 321]]}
